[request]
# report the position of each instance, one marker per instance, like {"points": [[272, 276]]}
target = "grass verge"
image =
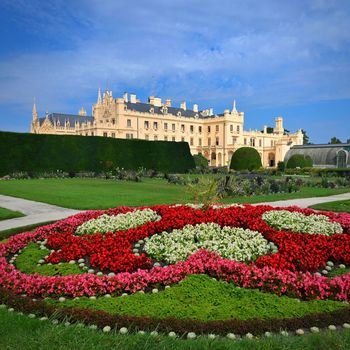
{"points": [[6, 214], [339, 206]]}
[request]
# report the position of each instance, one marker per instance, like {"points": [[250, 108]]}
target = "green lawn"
{"points": [[101, 194], [334, 206], [20, 332], [9, 214]]}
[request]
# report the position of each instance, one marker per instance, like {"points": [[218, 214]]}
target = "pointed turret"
{"points": [[35, 120], [234, 109], [99, 98]]}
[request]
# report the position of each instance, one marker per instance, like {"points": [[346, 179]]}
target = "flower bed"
{"points": [[151, 248]]}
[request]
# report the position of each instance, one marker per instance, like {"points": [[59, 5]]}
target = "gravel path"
{"points": [[37, 212]]}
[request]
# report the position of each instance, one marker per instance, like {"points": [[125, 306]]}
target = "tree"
{"points": [[334, 141], [306, 140], [200, 160], [348, 141], [299, 161]]}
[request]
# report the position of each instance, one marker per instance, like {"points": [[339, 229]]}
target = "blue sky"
{"points": [[273, 57]]}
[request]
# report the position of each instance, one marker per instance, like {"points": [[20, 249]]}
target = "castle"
{"points": [[216, 136]]}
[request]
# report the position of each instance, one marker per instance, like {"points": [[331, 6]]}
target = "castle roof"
{"points": [[62, 118], [146, 108]]}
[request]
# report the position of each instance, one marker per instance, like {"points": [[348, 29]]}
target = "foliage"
{"points": [[38, 153], [306, 140], [334, 141], [299, 161], [245, 158], [205, 192], [200, 160], [340, 206], [201, 298], [281, 166]]}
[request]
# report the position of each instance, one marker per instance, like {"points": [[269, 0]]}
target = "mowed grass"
{"points": [[6, 214], [20, 332], [339, 206], [103, 194]]}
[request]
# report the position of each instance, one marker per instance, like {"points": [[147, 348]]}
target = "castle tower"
{"points": [[35, 120], [278, 129]]}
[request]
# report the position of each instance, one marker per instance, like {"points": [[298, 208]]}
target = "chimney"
{"points": [[125, 97], [265, 129], [158, 102], [183, 105], [195, 108], [168, 102], [132, 98], [211, 111], [151, 100]]}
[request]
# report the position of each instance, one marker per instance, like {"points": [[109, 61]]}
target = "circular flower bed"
{"points": [[125, 250]]}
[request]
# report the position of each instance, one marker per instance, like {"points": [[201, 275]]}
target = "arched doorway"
{"points": [[341, 159], [213, 159], [271, 159], [219, 159]]}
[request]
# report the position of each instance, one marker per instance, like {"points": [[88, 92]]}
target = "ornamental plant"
{"points": [[298, 222], [231, 243]]}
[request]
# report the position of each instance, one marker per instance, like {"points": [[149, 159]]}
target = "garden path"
{"points": [[306, 202], [37, 212]]}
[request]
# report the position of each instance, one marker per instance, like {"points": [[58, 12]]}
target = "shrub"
{"points": [[299, 161], [281, 166], [200, 161], [246, 158]]}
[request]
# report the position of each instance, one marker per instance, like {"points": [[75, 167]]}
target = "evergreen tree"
{"points": [[334, 141]]}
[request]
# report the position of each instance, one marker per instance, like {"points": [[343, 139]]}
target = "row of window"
{"points": [[252, 142], [182, 126]]}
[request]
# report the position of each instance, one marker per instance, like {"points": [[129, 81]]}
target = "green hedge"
{"points": [[299, 161], [245, 158], [33, 152]]}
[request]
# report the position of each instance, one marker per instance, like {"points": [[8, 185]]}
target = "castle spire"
{"points": [[234, 109], [99, 98]]}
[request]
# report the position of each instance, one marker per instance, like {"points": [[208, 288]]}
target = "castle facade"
{"points": [[216, 136]]}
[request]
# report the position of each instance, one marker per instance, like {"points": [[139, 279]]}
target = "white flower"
{"points": [[230, 336], [332, 327], [154, 333], [249, 336], [112, 223], [230, 242], [61, 299], [298, 222], [211, 336], [172, 334], [314, 330]]}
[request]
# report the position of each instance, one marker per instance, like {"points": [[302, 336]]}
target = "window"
{"points": [[183, 127], [237, 129], [173, 127], [208, 128], [245, 141], [209, 141], [155, 137], [217, 128], [233, 139], [231, 127], [191, 128], [173, 138], [155, 125], [87, 134], [260, 143], [271, 143], [113, 134], [165, 126], [217, 141], [105, 134], [191, 141], [128, 123], [252, 142], [341, 159], [182, 139], [200, 129], [146, 137], [165, 138], [146, 124], [113, 121], [92, 133], [130, 136], [200, 142]]}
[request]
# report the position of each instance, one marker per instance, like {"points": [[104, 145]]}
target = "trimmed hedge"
{"points": [[33, 152], [299, 161], [245, 158]]}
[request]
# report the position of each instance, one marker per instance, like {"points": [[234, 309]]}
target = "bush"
{"points": [[281, 166], [33, 153], [245, 158], [299, 161], [200, 161]]}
